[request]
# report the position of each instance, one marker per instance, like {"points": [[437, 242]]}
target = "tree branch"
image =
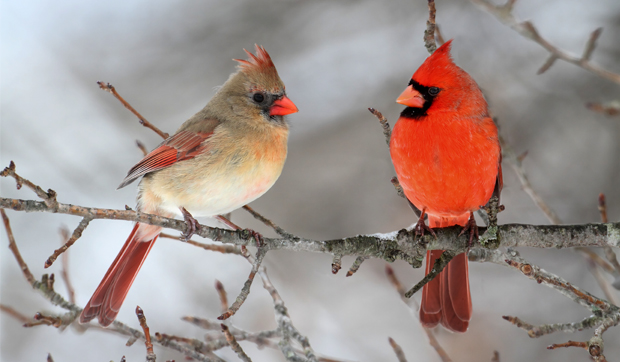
{"points": [[504, 14]]}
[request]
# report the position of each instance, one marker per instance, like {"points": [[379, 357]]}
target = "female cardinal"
{"points": [[446, 153], [225, 156]]}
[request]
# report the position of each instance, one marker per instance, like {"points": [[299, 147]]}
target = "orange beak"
{"points": [[411, 98], [282, 107]]}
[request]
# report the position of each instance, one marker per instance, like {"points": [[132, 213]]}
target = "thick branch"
{"points": [[390, 246]]}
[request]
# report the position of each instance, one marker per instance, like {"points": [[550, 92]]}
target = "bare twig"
{"points": [[429, 33], [397, 350], [414, 311], [609, 109], [245, 291], [150, 355], [224, 249], [610, 294], [398, 187], [142, 147], [48, 197], [77, 233], [15, 314], [439, 265], [110, 89], [515, 162], [504, 14], [356, 265], [384, 124], [285, 325], [13, 247], [605, 315], [609, 252], [234, 344], [336, 263], [269, 223], [495, 357], [222, 293], [64, 273]]}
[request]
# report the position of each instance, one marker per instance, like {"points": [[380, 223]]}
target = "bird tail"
{"points": [[111, 292], [447, 299]]}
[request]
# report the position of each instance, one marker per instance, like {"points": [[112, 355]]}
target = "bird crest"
{"points": [[259, 63]]}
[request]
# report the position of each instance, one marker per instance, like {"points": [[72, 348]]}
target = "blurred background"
{"points": [[337, 58]]}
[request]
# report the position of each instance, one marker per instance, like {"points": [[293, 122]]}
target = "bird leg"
{"points": [[192, 225], [473, 229], [420, 227]]}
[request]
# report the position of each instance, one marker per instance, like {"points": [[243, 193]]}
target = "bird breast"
{"points": [[227, 176]]}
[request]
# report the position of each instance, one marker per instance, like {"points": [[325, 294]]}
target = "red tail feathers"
{"points": [[111, 292], [446, 299]]}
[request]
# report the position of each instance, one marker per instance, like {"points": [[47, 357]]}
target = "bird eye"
{"points": [[433, 91], [258, 97]]}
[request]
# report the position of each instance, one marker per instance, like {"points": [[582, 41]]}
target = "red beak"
{"points": [[411, 98], [282, 107]]}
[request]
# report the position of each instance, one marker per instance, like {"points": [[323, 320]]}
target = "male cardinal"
{"points": [[223, 157], [446, 154]]}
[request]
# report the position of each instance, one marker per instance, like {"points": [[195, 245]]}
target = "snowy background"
{"points": [[337, 58]]}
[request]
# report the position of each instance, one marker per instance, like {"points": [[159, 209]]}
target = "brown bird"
{"points": [[225, 156]]}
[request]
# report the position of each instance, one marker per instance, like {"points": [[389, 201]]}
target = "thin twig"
{"points": [[245, 291], [269, 223], [495, 357], [504, 14], [439, 265], [356, 265], [605, 315], [142, 147], [13, 247], [64, 272], [515, 162], [384, 124], [336, 263], [429, 33], [234, 344], [224, 249], [285, 325], [110, 89], [609, 109], [48, 197], [77, 233], [150, 355], [432, 340], [397, 350], [15, 314], [221, 291]]}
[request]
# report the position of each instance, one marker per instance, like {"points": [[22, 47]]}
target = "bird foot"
{"points": [[257, 236], [421, 227], [192, 225], [472, 228]]}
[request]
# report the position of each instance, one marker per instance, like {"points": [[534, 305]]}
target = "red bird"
{"points": [[445, 150], [225, 156]]}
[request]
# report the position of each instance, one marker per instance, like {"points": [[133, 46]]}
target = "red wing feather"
{"points": [[181, 146]]}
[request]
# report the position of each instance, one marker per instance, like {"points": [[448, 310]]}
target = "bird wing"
{"points": [[181, 146]]}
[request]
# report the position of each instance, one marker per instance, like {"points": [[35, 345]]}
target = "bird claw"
{"points": [[473, 230], [257, 236], [192, 225], [421, 227]]}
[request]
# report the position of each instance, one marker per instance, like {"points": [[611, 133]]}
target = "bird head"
{"points": [[258, 83], [439, 85]]}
